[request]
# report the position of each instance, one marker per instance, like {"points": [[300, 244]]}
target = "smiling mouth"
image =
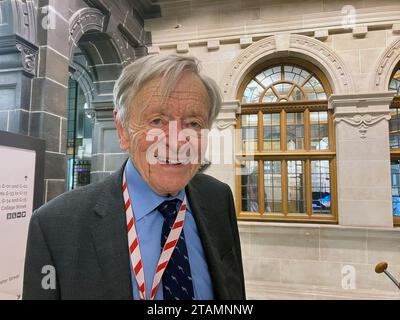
{"points": [[172, 162]]}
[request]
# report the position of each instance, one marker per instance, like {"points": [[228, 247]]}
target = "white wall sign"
{"points": [[17, 180]]}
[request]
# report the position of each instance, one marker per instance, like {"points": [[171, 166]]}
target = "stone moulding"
{"points": [[385, 67], [24, 14], [294, 45], [82, 76], [84, 20], [92, 19]]}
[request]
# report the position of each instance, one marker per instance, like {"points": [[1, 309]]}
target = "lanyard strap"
{"points": [[134, 248]]}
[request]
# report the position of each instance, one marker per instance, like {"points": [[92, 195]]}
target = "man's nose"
{"points": [[175, 136]]}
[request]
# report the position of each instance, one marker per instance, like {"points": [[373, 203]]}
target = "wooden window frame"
{"points": [[395, 153], [284, 155]]}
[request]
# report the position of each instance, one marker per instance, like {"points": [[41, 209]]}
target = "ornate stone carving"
{"points": [[385, 67], [363, 122], [24, 14], [320, 50], [29, 57], [240, 65], [82, 21], [227, 115], [225, 124], [300, 46]]}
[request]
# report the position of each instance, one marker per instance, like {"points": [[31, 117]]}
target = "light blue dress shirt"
{"points": [[149, 224]]}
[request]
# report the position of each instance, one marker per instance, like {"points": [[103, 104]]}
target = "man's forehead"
{"points": [[191, 90]]}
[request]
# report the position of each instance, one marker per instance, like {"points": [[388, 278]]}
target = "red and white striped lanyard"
{"points": [[134, 248]]}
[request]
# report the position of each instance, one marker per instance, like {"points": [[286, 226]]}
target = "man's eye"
{"points": [[194, 125], [156, 122]]}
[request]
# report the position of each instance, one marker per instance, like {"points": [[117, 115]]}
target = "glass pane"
{"points": [[313, 89], [273, 186], [319, 130], [395, 82], [297, 95], [249, 133], [252, 93], [272, 132], [249, 177], [295, 131], [266, 78], [283, 78], [321, 187], [296, 75], [283, 89], [394, 129], [270, 96], [395, 168], [296, 187]]}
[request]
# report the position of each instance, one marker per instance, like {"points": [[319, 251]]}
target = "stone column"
{"points": [[221, 149], [363, 159]]}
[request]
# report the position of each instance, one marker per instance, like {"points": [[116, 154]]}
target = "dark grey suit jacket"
{"points": [[83, 235]]}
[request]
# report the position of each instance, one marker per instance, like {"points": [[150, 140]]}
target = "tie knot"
{"points": [[168, 208]]}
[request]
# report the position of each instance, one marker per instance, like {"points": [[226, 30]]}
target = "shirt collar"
{"points": [[144, 200]]}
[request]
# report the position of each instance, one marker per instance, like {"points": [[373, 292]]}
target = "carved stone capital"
{"points": [[29, 58], [361, 110], [25, 54], [363, 122], [227, 115]]}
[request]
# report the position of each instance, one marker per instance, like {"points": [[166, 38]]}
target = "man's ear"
{"points": [[123, 135]]}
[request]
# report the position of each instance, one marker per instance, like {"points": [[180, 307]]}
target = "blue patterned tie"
{"points": [[177, 278]]}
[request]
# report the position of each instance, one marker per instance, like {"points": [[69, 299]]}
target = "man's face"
{"points": [[164, 137]]}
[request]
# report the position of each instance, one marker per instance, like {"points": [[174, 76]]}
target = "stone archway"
{"points": [[93, 20], [286, 45], [385, 67], [84, 20], [81, 75]]}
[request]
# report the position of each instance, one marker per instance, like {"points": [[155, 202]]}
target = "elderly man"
{"points": [[156, 229]]}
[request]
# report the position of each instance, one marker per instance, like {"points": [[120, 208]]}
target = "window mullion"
{"points": [[283, 131], [284, 188], [261, 195], [308, 194], [260, 131], [333, 187], [307, 130], [331, 132]]}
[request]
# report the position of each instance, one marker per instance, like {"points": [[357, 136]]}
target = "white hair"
{"points": [[170, 68]]}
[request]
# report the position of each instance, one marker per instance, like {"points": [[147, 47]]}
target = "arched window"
{"points": [[283, 83], [287, 149], [394, 134]]}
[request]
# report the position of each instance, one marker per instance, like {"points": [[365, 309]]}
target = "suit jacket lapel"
{"points": [[111, 240], [206, 220]]}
